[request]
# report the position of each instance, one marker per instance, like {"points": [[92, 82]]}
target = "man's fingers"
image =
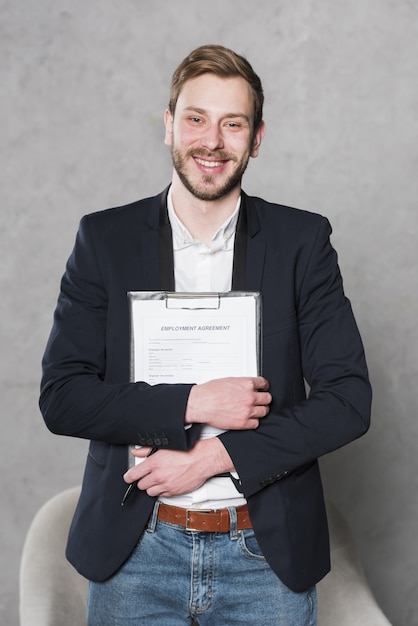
{"points": [[263, 398], [141, 451], [261, 383]]}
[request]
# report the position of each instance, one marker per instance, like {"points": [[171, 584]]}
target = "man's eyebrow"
{"points": [[201, 111]]}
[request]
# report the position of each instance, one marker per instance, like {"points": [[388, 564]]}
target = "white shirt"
{"points": [[212, 271]]}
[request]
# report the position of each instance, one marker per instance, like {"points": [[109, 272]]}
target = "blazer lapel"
{"points": [[249, 253], [165, 248], [157, 250], [239, 269]]}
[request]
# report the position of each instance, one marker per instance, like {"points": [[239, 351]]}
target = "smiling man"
{"points": [[227, 523], [211, 134]]}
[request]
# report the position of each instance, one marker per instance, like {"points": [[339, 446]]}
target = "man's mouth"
{"points": [[210, 164]]}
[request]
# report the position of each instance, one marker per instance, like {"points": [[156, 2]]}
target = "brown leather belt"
{"points": [[204, 521]]}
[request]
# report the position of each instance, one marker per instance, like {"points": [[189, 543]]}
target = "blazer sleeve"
{"points": [[77, 398], [333, 364]]}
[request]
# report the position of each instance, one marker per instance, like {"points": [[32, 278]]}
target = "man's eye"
{"points": [[196, 120]]}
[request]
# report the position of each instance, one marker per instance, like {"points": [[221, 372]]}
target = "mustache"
{"points": [[218, 155]]}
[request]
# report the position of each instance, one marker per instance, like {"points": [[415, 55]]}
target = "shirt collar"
{"points": [[182, 237]]}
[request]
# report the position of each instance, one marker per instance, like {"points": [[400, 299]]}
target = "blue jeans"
{"points": [[175, 576]]}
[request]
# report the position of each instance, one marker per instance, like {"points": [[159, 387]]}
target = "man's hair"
{"points": [[213, 59]]}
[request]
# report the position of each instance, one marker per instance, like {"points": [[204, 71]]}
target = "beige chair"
{"points": [[52, 593]]}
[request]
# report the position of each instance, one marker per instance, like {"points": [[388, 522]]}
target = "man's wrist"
{"points": [[213, 454], [190, 412]]}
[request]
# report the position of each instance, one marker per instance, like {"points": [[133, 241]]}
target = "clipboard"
{"points": [[194, 337]]}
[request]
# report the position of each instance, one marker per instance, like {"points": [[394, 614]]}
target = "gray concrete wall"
{"points": [[83, 89]]}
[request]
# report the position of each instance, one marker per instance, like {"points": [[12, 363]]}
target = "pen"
{"points": [[132, 486]]}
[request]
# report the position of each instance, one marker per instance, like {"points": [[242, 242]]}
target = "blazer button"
{"points": [[150, 441], [268, 481], [157, 442], [165, 441]]}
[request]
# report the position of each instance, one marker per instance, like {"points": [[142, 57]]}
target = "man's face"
{"points": [[211, 135]]}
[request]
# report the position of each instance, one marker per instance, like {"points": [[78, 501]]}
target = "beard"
{"points": [[207, 188]]}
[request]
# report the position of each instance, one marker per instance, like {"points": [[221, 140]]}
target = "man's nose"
{"points": [[212, 138]]}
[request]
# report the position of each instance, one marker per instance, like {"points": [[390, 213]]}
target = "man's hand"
{"points": [[174, 472], [229, 403]]}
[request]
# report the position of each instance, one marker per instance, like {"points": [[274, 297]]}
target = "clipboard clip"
{"points": [[192, 301]]}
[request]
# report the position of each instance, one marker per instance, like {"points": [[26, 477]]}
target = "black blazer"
{"points": [[309, 334]]}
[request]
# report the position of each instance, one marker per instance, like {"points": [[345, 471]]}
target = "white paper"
{"points": [[172, 344]]}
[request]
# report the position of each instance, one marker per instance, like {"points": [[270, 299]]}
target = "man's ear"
{"points": [[258, 138], [168, 121]]}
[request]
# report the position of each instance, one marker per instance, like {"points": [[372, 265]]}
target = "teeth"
{"points": [[209, 163]]}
